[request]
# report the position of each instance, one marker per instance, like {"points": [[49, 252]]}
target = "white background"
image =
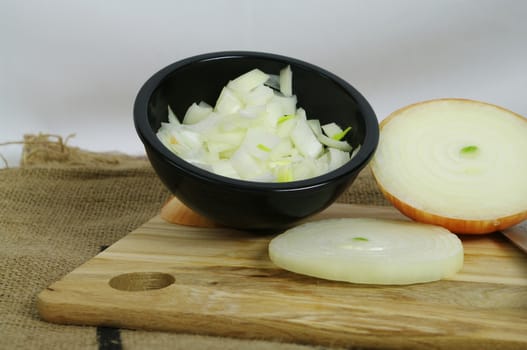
{"points": [[76, 66]]}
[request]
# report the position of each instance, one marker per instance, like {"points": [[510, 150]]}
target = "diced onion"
{"points": [[331, 129], [248, 81], [228, 102], [372, 251], [196, 113], [286, 81], [256, 132], [342, 145], [305, 141]]}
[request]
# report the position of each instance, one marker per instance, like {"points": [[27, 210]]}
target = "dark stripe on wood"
{"points": [[109, 338]]}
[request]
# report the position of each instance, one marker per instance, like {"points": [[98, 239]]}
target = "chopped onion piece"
{"points": [[204, 104], [342, 145], [259, 96], [331, 129], [301, 114], [224, 167], [304, 169], [314, 124], [259, 142], [342, 134], [337, 158], [286, 81], [245, 165], [285, 117], [284, 150], [355, 151], [284, 173], [286, 127], [227, 102], [373, 251], [248, 81], [304, 139], [287, 104], [196, 113], [233, 138]]}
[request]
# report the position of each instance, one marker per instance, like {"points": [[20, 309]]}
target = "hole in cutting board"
{"points": [[141, 281]]}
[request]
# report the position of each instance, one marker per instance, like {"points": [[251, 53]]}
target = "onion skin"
{"points": [[455, 225], [175, 212]]}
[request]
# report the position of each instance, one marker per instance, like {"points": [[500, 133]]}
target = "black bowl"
{"points": [[247, 204]]}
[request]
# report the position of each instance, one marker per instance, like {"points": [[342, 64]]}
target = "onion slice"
{"points": [[367, 250], [458, 163]]}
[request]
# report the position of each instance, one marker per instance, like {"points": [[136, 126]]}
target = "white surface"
{"points": [[75, 66]]}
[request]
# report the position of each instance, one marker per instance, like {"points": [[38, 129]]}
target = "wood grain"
{"points": [[219, 281]]}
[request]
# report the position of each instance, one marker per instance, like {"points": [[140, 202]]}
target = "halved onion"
{"points": [[458, 163], [366, 250]]}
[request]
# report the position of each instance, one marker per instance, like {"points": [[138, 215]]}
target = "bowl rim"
{"points": [[148, 136]]}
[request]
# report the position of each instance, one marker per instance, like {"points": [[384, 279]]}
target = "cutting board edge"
{"points": [[296, 333]]}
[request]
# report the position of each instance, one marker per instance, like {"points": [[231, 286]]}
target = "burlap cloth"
{"points": [[58, 209]]}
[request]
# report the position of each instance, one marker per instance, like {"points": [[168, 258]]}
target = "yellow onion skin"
{"points": [[454, 225]]}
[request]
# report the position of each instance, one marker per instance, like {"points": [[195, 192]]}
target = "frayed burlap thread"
{"points": [[53, 150]]}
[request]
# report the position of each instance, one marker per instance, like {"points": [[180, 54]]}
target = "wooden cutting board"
{"points": [[218, 281]]}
